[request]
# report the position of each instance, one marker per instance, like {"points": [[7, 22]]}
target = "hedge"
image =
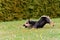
{"points": [[24, 9]]}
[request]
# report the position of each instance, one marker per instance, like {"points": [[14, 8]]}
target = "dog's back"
{"points": [[40, 23]]}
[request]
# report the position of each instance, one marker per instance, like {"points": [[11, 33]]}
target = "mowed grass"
{"points": [[14, 30]]}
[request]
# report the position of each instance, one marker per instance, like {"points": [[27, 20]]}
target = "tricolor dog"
{"points": [[40, 23]]}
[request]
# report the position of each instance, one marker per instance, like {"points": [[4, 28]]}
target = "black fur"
{"points": [[41, 22]]}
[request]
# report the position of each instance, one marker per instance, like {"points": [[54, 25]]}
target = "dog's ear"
{"points": [[27, 21]]}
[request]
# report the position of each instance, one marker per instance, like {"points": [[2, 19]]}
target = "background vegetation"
{"points": [[24, 9]]}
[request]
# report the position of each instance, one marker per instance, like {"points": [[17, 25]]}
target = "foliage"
{"points": [[24, 9]]}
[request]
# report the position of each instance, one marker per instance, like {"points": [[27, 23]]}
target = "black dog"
{"points": [[38, 24]]}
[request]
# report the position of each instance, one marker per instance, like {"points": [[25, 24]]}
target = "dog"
{"points": [[40, 23]]}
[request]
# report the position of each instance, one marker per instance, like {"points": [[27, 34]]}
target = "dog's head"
{"points": [[29, 24]]}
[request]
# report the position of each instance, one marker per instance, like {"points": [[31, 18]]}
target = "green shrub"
{"points": [[24, 9]]}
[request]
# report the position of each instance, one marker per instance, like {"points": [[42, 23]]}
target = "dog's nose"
{"points": [[25, 26]]}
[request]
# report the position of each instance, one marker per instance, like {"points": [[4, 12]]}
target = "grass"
{"points": [[15, 31]]}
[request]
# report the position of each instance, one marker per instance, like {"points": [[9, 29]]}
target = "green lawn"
{"points": [[14, 30]]}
